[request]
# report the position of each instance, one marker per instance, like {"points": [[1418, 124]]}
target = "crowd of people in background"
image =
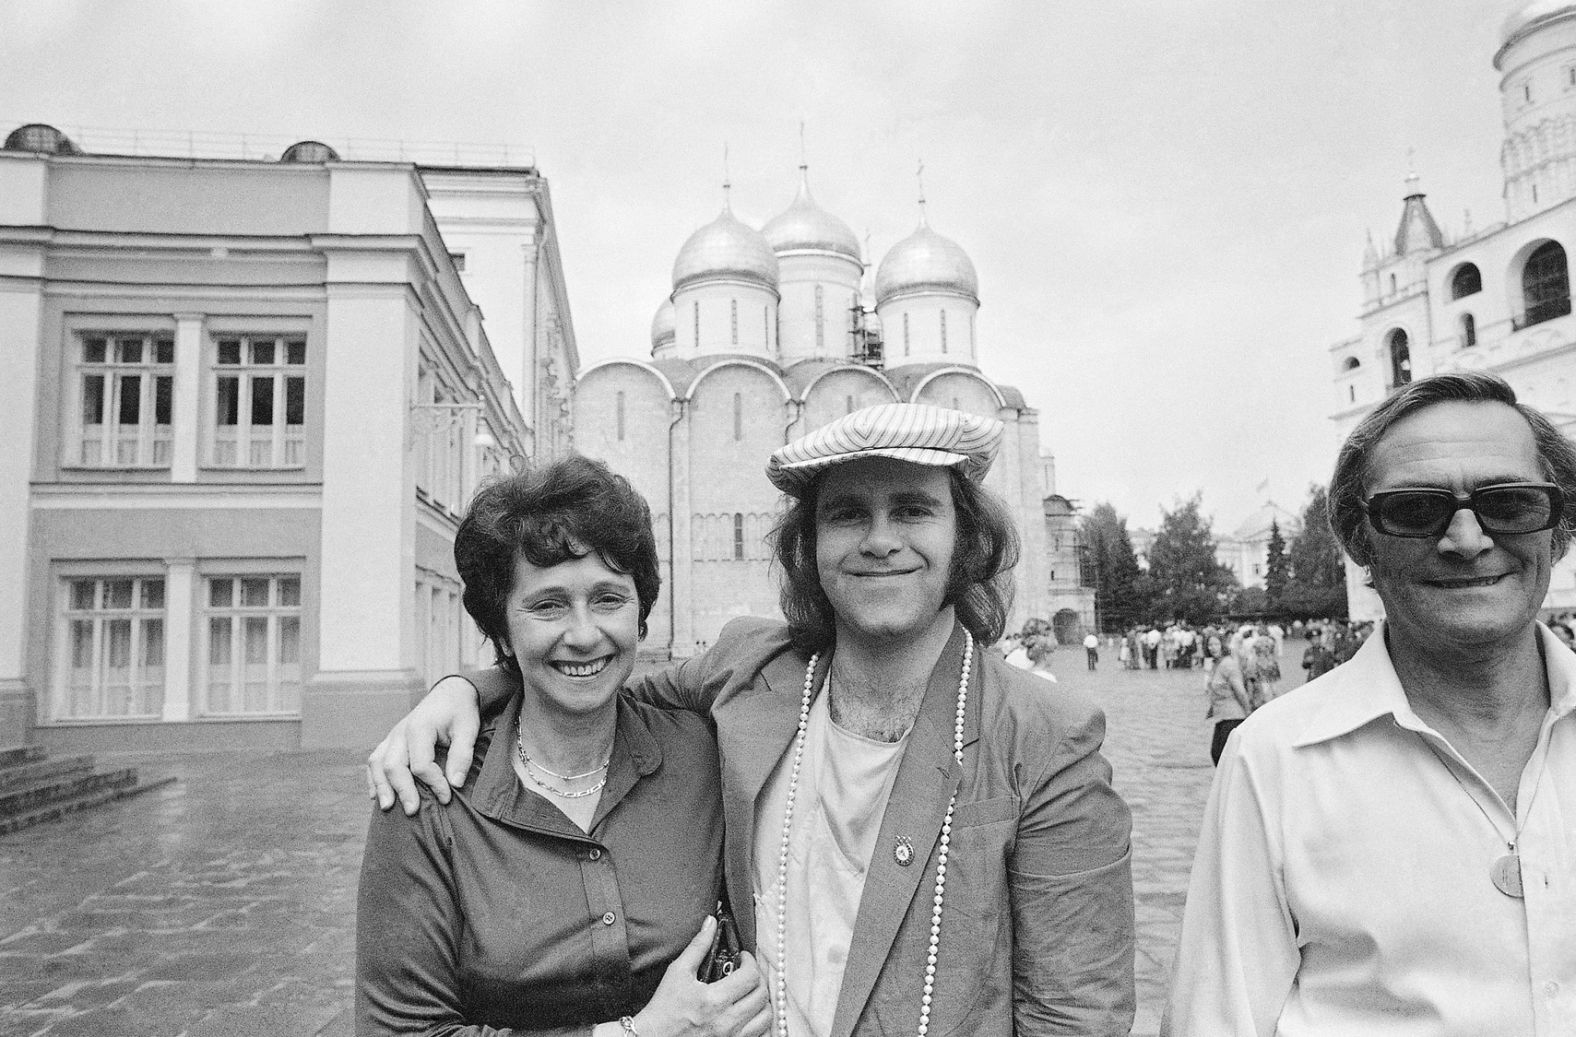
{"points": [[1258, 648]]}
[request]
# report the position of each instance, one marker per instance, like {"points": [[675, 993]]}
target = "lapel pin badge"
{"points": [[903, 852]]}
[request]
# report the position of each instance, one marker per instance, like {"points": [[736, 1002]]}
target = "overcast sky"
{"points": [[1166, 200]]}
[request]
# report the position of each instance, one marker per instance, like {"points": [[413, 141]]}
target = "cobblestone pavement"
{"points": [[224, 904]]}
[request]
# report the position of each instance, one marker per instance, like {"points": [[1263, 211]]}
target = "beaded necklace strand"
{"points": [[780, 997]]}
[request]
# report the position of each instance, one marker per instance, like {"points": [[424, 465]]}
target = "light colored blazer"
{"points": [[1037, 933]]}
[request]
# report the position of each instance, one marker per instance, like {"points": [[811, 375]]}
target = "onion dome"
{"points": [[40, 138], [663, 326], [805, 225], [926, 261], [1529, 15], [309, 151], [725, 249]]}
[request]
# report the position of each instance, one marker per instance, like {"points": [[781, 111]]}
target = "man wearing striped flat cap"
{"points": [[920, 838]]}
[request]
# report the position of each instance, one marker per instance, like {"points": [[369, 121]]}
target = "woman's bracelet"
{"points": [[627, 1024]]}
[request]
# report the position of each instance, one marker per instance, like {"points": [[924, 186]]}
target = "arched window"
{"points": [[738, 537], [905, 334], [697, 323], [943, 331], [1466, 281], [738, 417], [1351, 363], [733, 312], [1545, 285], [1400, 358], [1468, 330], [619, 406], [1392, 284]]}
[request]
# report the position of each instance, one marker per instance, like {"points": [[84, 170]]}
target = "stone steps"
{"points": [[34, 788]]}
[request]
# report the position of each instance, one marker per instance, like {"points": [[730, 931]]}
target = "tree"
{"points": [[1111, 568], [1276, 571], [1190, 582], [1316, 584]]}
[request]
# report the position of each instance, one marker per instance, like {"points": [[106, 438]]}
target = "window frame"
{"points": [[62, 697], [283, 437], [274, 614], [149, 437]]}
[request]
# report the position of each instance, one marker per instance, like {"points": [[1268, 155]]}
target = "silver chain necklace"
{"points": [[519, 745], [1505, 872], [780, 994]]}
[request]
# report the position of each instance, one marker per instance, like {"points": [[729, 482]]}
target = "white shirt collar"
{"points": [[1368, 689]]}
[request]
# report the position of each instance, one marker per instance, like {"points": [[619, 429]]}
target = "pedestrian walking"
{"points": [[1092, 647]]}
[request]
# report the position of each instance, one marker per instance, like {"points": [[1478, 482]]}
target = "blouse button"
{"points": [[595, 854], [609, 918]]}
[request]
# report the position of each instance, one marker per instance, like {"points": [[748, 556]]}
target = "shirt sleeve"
{"points": [[407, 926], [1071, 887], [1238, 955]]}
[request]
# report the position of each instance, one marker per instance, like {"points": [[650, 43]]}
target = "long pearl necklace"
{"points": [[781, 992]]}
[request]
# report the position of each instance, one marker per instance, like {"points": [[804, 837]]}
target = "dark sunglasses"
{"points": [[1513, 507]]}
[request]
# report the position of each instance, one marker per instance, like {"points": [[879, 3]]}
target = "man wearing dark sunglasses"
{"points": [[1390, 848]]}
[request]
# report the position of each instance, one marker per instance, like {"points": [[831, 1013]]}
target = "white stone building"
{"points": [[769, 334], [246, 402], [1496, 299], [1246, 550]]}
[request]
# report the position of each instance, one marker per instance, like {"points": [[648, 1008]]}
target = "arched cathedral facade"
{"points": [[767, 335]]}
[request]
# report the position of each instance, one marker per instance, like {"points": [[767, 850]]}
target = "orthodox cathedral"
{"points": [[1496, 299], [772, 333]]}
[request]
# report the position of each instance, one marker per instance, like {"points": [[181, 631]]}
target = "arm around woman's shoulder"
{"points": [[1071, 881], [742, 648]]}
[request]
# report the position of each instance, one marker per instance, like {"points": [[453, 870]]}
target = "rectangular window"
{"points": [[114, 630], [252, 628], [259, 402], [733, 314], [127, 388], [943, 331], [618, 402], [738, 417], [738, 537]]}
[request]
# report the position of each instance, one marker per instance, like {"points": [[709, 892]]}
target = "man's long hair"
{"points": [[979, 585]]}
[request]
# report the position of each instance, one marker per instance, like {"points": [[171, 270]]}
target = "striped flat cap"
{"points": [[913, 432]]}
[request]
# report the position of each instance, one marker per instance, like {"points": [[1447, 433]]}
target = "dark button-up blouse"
{"points": [[497, 915]]}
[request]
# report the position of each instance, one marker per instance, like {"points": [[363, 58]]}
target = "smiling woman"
{"points": [[569, 786]]}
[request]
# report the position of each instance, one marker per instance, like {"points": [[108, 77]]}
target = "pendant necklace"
{"points": [[519, 745], [780, 994], [1505, 872]]}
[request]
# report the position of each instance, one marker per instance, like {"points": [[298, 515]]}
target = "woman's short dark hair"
{"points": [[548, 515], [1348, 519], [979, 585]]}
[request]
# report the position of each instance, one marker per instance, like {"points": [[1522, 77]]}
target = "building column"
{"points": [[187, 416], [180, 595], [21, 314], [366, 677], [529, 374], [679, 522]]}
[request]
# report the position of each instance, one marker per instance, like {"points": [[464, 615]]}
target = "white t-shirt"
{"points": [[845, 781]]}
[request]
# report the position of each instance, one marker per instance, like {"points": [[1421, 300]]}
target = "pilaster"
{"points": [[683, 556], [188, 394], [180, 595]]}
